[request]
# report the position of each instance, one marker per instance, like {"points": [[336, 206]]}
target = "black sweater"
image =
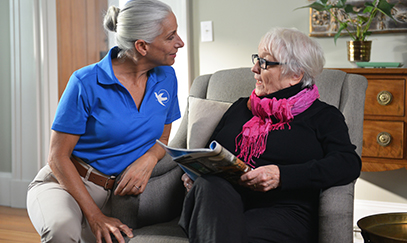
{"points": [[316, 153]]}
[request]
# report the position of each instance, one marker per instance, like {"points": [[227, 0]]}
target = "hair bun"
{"points": [[110, 20]]}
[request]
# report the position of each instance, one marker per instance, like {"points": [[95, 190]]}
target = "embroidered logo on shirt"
{"points": [[162, 96]]}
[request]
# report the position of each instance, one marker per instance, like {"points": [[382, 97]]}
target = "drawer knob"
{"points": [[384, 97], [383, 139]]}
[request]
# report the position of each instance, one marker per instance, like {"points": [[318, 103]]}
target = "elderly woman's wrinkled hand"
{"points": [[263, 178], [188, 183]]}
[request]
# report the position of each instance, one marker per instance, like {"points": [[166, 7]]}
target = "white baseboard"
{"points": [[5, 191], [19, 195], [363, 208], [13, 192]]}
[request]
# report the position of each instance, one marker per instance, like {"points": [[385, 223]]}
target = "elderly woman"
{"points": [[296, 144], [107, 122]]}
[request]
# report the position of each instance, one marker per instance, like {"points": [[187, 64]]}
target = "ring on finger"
{"points": [[137, 187], [189, 186]]}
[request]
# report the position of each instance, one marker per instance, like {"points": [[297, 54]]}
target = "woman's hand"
{"points": [[61, 147], [102, 226], [263, 178], [188, 183], [136, 176]]}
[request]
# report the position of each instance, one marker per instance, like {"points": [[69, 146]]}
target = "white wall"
{"points": [[182, 61], [33, 92], [239, 24], [5, 90]]}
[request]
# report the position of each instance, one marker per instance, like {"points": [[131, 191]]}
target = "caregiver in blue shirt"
{"points": [[107, 123]]}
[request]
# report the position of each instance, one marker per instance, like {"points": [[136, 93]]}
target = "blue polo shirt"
{"points": [[114, 133]]}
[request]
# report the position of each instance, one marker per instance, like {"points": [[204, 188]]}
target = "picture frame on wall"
{"points": [[322, 24]]}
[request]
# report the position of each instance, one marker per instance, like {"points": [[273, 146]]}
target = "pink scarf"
{"points": [[255, 131]]}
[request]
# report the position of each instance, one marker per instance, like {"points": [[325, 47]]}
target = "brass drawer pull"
{"points": [[383, 139], [384, 97]]}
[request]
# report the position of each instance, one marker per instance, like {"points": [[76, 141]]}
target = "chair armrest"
{"points": [[336, 214]]}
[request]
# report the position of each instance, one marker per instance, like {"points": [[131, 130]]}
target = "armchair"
{"points": [[345, 91]]}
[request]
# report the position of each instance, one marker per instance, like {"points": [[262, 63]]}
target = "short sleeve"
{"points": [[73, 109], [174, 110]]}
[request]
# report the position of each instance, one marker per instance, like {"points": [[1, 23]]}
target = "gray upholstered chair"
{"points": [[345, 91]]}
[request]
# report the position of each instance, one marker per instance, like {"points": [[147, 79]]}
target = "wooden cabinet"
{"points": [[384, 127]]}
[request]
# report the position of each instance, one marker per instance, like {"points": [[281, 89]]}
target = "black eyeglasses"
{"points": [[263, 62]]}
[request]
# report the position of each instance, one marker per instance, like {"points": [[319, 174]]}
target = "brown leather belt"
{"points": [[106, 182]]}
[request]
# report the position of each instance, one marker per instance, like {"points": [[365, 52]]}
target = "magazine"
{"points": [[213, 160]]}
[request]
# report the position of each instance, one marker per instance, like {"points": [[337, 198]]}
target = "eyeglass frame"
{"points": [[263, 61]]}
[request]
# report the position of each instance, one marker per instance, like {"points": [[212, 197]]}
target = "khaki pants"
{"points": [[55, 214]]}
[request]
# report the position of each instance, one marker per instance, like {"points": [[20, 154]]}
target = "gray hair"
{"points": [[139, 19], [300, 53]]}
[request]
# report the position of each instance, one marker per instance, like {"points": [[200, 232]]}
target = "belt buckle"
{"points": [[107, 182]]}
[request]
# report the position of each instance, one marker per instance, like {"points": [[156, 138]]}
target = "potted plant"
{"points": [[356, 22]]}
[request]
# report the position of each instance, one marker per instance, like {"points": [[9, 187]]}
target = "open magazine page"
{"points": [[212, 160]]}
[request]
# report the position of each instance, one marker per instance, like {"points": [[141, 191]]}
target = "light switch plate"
{"points": [[206, 31]]}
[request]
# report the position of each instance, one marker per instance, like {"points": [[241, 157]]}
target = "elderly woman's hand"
{"points": [[187, 182], [263, 178]]}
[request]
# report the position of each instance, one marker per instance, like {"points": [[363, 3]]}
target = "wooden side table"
{"points": [[384, 127]]}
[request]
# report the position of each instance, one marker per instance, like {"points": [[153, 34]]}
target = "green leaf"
{"points": [[318, 5], [368, 9], [369, 4], [329, 6], [315, 5], [340, 3], [362, 19], [385, 8], [366, 34], [349, 9], [342, 26]]}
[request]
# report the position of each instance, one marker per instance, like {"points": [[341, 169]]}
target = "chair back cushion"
{"points": [[225, 85], [342, 90], [203, 117]]}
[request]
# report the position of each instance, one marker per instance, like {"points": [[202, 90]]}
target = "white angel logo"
{"points": [[162, 96]]}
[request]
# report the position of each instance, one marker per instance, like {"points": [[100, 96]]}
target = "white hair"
{"points": [[300, 53], [139, 19]]}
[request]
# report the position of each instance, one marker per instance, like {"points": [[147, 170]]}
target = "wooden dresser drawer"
{"points": [[384, 122], [385, 88], [375, 132]]}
